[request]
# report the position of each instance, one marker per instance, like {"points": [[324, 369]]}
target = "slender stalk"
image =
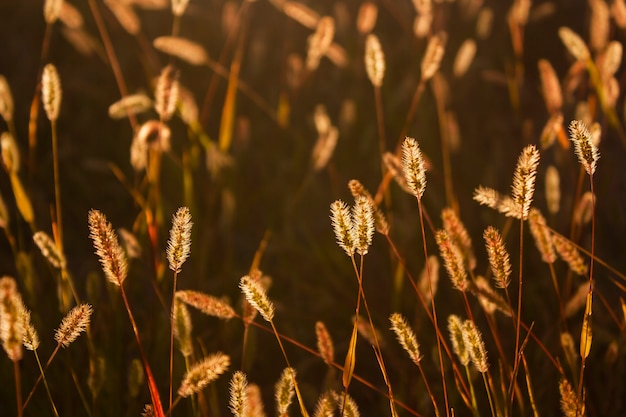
{"points": [[32, 391], [172, 338], [45, 383], [18, 388], [473, 394], [491, 406], [57, 185]]}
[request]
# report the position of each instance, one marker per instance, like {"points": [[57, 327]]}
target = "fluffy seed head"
{"points": [[189, 51], [107, 248], [584, 209], [406, 337], [362, 225], [553, 189], [413, 166], [324, 148], [256, 296], [374, 60], [458, 233], [568, 252], [10, 152], [366, 19], [73, 324], [49, 250], [238, 395], [207, 304], [166, 93], [455, 327], [325, 406], [569, 401], [30, 338], [51, 92], [6, 100], [452, 260], [51, 10], [285, 391], [182, 327], [125, 15], [464, 57], [550, 86], [523, 186], [541, 234], [324, 343], [574, 44], [11, 318], [358, 190], [302, 14], [586, 151], [599, 25], [255, 401], [320, 41], [342, 225], [179, 7], [131, 104], [433, 55], [476, 346], [179, 244], [203, 373], [498, 257]]}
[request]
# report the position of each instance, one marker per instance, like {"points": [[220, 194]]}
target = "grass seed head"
{"points": [[179, 244], [406, 337], [256, 296], [584, 148], [284, 391], [107, 248], [73, 324], [374, 60], [414, 167], [238, 395], [203, 373], [51, 92]]}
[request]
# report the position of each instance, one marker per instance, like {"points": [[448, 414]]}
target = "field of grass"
{"points": [[315, 208]]}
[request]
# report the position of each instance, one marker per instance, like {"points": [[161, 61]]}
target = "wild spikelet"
{"points": [[132, 247], [599, 25], [458, 233], [374, 60], [611, 59], [498, 257], [179, 244], [179, 7], [107, 248], [319, 42], [452, 260], [255, 401], [187, 106], [553, 189], [523, 186], [342, 225], [618, 10], [302, 14], [568, 252], [413, 167], [488, 298], [325, 406], [394, 166], [11, 318], [350, 409], [207, 304], [152, 134], [203, 373], [475, 345], [484, 22], [406, 337], [325, 344], [166, 93], [584, 209], [284, 391], [189, 51], [586, 151], [551, 129], [51, 92], [567, 344], [337, 55], [574, 44], [73, 324], [70, 16], [429, 279], [365, 330], [541, 234], [10, 152], [550, 86], [30, 337], [464, 57], [51, 10], [6, 100], [569, 400], [432, 56], [358, 190], [324, 148], [131, 104], [362, 225], [256, 296], [238, 403], [182, 328], [125, 15], [366, 18], [422, 25], [455, 328], [577, 300], [49, 250]]}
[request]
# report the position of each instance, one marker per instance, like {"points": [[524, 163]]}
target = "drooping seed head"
{"points": [[406, 337], [568, 252], [182, 328], [256, 296], [458, 233], [184, 49], [586, 151], [574, 44], [49, 250], [433, 55], [569, 399], [203, 373], [131, 104], [464, 57], [325, 344], [413, 166], [166, 93], [51, 92], [541, 234], [550, 86]]}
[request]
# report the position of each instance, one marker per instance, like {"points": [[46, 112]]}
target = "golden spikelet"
{"points": [[132, 247], [552, 128], [256, 296], [125, 15], [569, 400], [498, 257], [365, 330], [207, 304], [302, 14], [10, 152], [179, 244], [30, 338], [455, 328], [406, 337], [51, 92], [475, 345], [568, 252], [255, 401], [73, 324], [187, 107], [550, 87], [576, 301], [342, 225], [70, 16], [413, 167], [324, 148], [584, 209], [238, 403], [107, 248], [320, 41], [394, 166], [182, 328], [380, 222], [584, 148], [51, 10], [599, 25], [362, 225], [567, 344], [284, 391], [131, 104], [541, 234], [350, 409], [433, 55], [203, 373], [49, 250], [11, 318], [618, 10], [166, 93], [429, 279], [611, 59], [325, 406], [152, 134], [179, 7], [366, 17], [374, 60], [325, 344], [458, 233], [523, 186], [574, 44], [6, 100], [488, 298], [189, 51], [422, 25], [452, 260], [464, 57], [553, 189], [337, 55], [484, 22]]}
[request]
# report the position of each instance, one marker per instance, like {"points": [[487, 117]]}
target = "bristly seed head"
{"points": [[209, 305], [476, 346], [586, 151], [324, 343], [524, 179], [342, 225], [414, 168], [285, 390], [452, 260], [374, 60], [51, 92], [498, 257], [179, 245], [406, 337], [203, 373], [73, 324], [256, 296], [455, 327], [238, 395], [362, 225], [107, 247], [49, 250], [166, 93]]}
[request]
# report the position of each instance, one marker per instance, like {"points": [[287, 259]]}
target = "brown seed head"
{"points": [[207, 304], [498, 257], [541, 234], [73, 324], [6, 100], [413, 167], [452, 260], [586, 151], [432, 56], [203, 373], [51, 92], [107, 248], [458, 233], [574, 44], [406, 337], [374, 60], [324, 343]]}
